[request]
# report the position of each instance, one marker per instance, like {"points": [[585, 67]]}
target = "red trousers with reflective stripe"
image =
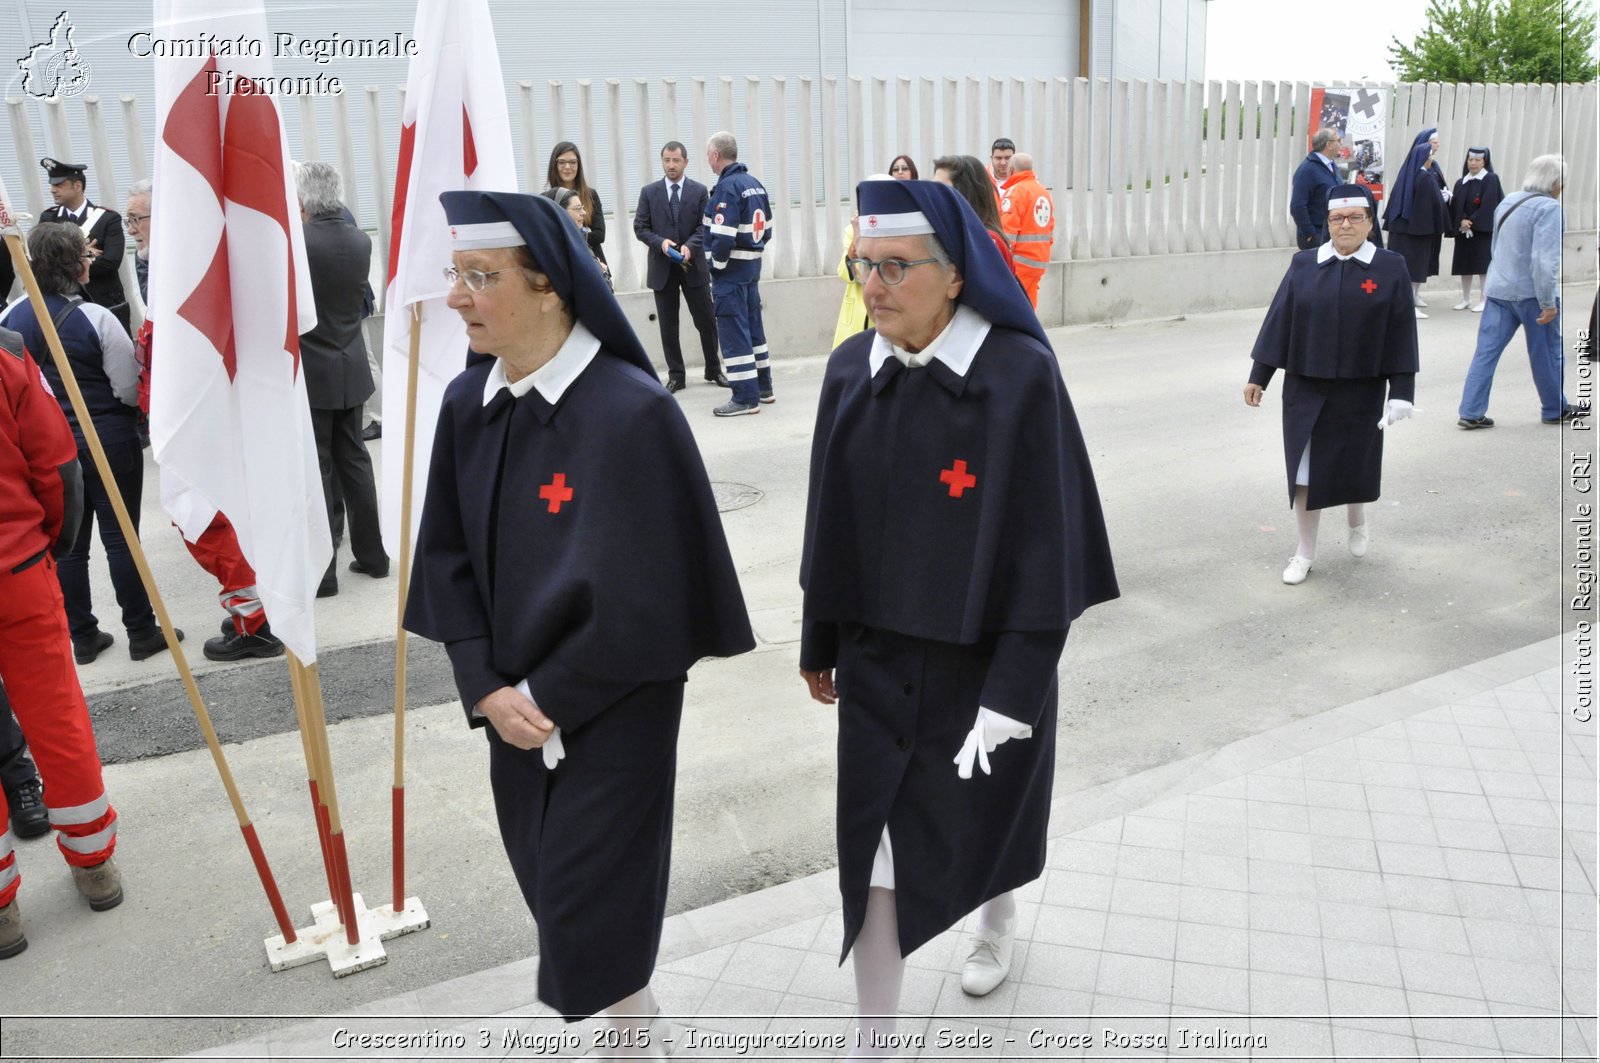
{"points": [[42, 683], [219, 554]]}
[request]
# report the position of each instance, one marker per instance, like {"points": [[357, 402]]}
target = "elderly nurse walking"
{"points": [[1342, 330], [953, 534]]}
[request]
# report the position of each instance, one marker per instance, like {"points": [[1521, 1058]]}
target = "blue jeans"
{"points": [[138, 619], [1501, 319]]}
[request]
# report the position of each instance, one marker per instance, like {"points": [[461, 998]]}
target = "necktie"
{"points": [[672, 204]]}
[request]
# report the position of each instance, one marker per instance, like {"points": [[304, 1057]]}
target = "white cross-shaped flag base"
{"points": [[326, 937]]}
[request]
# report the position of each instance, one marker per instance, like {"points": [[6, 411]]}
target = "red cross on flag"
{"points": [[454, 134], [230, 295]]}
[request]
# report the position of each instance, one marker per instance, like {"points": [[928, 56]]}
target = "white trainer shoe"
{"points": [[1358, 541], [989, 963], [1296, 572]]}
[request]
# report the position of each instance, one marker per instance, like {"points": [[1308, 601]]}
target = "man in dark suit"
{"points": [[334, 358], [667, 221], [102, 230], [1308, 200]]}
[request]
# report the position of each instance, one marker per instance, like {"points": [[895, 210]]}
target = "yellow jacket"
{"points": [[853, 316]]}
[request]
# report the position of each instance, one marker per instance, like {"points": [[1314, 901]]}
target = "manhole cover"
{"points": [[734, 496]]}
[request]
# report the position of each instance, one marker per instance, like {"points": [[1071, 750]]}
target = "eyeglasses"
{"points": [[135, 221], [891, 270], [476, 280], [1345, 219], [567, 164]]}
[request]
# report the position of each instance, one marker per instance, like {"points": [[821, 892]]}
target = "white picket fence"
{"points": [[1137, 168]]}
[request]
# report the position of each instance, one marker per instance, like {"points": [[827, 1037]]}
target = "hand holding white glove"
{"points": [[553, 749], [1396, 410], [988, 731]]}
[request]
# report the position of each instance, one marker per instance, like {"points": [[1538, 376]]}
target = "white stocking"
{"points": [[1416, 294], [879, 970], [627, 1017], [1466, 287], [1356, 514], [998, 914], [1307, 519]]}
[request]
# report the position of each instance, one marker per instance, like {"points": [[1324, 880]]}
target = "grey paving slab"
{"points": [[1397, 890]]}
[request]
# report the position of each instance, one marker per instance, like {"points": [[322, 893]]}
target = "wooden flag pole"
{"points": [[47, 326], [398, 804], [329, 794], [319, 814]]}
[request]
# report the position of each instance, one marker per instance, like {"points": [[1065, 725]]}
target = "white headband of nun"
{"points": [[483, 236], [1351, 201], [912, 223]]}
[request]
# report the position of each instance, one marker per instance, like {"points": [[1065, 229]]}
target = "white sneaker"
{"points": [[1462, 305], [1421, 316], [1358, 541], [1296, 572], [989, 963]]}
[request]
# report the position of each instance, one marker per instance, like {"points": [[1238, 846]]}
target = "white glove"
{"points": [[1397, 410], [988, 731], [1446, 192], [552, 749]]}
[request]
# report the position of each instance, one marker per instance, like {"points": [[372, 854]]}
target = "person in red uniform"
{"points": [[245, 631], [41, 494]]}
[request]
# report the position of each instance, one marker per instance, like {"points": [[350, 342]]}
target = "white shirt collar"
{"points": [[669, 182], [1327, 162], [956, 346], [1362, 254], [555, 376], [1474, 176]]}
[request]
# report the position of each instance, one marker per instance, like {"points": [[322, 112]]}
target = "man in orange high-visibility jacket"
{"points": [[1028, 216]]}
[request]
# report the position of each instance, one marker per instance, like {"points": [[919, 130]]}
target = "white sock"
{"points": [[1307, 520], [998, 914], [879, 971], [1466, 288], [1356, 514]]}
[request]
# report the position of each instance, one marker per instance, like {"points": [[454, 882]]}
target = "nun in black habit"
{"points": [[953, 534], [1417, 215], [1342, 329], [562, 472], [1472, 205]]}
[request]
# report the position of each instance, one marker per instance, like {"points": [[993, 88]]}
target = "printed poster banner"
{"points": [[1361, 115]]}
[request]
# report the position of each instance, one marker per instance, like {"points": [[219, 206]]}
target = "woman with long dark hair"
{"points": [[566, 171], [965, 173], [903, 169]]}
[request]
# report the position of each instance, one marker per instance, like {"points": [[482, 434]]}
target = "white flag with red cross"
{"points": [[455, 134], [230, 296]]}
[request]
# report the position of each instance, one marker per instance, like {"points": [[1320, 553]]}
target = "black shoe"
{"points": [[1476, 422], [236, 647], [721, 380], [29, 818], [375, 571], [1569, 414], [86, 651], [674, 386], [328, 587], [372, 431], [147, 646]]}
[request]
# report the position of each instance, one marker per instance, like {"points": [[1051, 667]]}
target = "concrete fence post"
{"points": [[832, 159], [782, 250], [310, 147], [530, 134], [619, 242], [810, 254], [382, 182], [138, 154], [347, 153]]}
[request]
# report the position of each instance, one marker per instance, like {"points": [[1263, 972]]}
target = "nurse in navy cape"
{"points": [[1417, 215], [953, 534], [1343, 330], [571, 559]]}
